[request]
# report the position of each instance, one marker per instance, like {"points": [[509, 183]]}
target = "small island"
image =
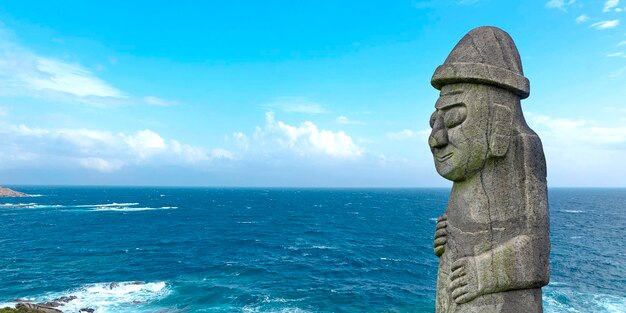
{"points": [[7, 192]]}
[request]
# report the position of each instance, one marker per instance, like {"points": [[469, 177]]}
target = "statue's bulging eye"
{"points": [[433, 118], [455, 116]]}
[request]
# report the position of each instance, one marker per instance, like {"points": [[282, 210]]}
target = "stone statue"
{"points": [[493, 240]]}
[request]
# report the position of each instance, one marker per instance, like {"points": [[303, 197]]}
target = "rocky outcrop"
{"points": [[6, 192], [35, 308]]}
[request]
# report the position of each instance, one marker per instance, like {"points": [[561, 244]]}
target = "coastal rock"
{"points": [[6, 192], [35, 308], [493, 239]]}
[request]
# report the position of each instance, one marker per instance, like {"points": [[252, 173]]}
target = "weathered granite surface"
{"points": [[493, 240], [6, 192]]}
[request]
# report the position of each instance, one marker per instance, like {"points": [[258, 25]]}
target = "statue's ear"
{"points": [[501, 124]]}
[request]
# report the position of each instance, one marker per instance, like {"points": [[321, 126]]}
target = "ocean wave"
{"points": [[130, 209], [566, 300], [252, 309], [122, 207], [107, 205], [127, 297], [29, 206], [18, 205]]}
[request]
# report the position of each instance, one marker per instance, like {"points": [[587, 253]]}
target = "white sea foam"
{"points": [[573, 211], [323, 247], [566, 300], [114, 204], [18, 206], [120, 207], [261, 309], [127, 297], [129, 209]]}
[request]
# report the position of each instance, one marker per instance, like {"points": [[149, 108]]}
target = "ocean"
{"points": [[131, 249]]}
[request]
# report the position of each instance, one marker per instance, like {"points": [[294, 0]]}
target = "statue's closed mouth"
{"points": [[444, 157]]}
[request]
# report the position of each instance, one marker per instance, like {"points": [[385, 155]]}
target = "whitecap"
{"points": [[573, 211], [113, 297], [323, 247], [122, 209], [566, 300], [31, 205], [114, 204]]}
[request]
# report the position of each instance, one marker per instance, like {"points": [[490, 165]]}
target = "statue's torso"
{"points": [[474, 227]]}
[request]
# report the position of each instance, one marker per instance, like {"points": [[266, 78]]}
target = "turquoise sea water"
{"points": [[276, 250]]}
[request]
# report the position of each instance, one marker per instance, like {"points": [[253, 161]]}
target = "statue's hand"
{"points": [[464, 280], [440, 235]]}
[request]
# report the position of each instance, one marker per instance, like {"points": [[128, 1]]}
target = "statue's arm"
{"points": [[520, 263]]}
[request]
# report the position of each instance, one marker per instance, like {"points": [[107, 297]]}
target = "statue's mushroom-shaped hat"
{"points": [[486, 55]]}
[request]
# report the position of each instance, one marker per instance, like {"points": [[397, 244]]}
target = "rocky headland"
{"points": [[7, 192]]}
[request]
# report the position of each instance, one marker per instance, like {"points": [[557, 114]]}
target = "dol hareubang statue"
{"points": [[493, 240]]}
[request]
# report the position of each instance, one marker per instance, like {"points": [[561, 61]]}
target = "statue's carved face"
{"points": [[459, 139]]}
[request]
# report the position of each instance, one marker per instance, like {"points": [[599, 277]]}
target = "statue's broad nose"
{"points": [[438, 137]]}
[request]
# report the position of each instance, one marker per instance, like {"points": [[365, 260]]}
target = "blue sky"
{"points": [[288, 93]]}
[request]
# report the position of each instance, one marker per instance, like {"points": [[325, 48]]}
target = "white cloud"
{"points": [[581, 19], [559, 4], [605, 24], [406, 134], [145, 143], [304, 140], [219, 153], [616, 54], [610, 4], [101, 150], [55, 75], [158, 101], [101, 165], [344, 120], [622, 43], [582, 152], [240, 139], [576, 132], [24, 72], [296, 105], [618, 73]]}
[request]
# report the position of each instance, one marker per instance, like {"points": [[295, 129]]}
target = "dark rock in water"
{"points": [[26, 307], [6, 192], [65, 299], [87, 310], [52, 304]]}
